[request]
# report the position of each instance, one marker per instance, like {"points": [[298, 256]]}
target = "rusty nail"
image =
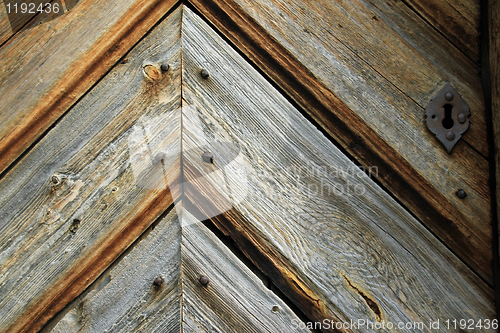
{"points": [[55, 180], [461, 194], [275, 309], [450, 136], [449, 96], [159, 281], [208, 157], [164, 67], [204, 73], [204, 280], [462, 118]]}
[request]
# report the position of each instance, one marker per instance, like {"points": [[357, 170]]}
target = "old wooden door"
{"points": [[234, 166]]}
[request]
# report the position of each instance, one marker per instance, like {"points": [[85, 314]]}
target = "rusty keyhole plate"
{"points": [[447, 116]]}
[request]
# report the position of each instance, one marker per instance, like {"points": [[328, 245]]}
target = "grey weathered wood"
{"points": [[349, 254], [235, 300], [365, 70], [124, 298], [49, 65], [47, 258], [339, 256]]}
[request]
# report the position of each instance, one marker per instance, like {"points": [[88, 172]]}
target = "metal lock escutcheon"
{"points": [[447, 116]]}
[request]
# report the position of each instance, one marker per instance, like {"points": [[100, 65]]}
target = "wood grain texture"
{"points": [[330, 238], [74, 202], [9, 25], [494, 59], [48, 67], [457, 20], [365, 72], [124, 299], [235, 300]]}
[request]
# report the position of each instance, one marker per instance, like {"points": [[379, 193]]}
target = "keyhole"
{"points": [[448, 121]]}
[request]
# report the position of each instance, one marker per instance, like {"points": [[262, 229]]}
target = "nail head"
{"points": [[204, 73], [461, 194], [462, 118], [159, 157], [208, 157], [449, 96], [165, 67], [450, 136], [204, 280], [275, 309], [55, 180], [159, 281]]}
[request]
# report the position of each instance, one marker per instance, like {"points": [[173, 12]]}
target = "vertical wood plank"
{"points": [[494, 67]]}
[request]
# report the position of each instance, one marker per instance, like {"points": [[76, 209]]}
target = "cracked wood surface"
{"points": [[333, 241], [365, 71], [48, 65]]}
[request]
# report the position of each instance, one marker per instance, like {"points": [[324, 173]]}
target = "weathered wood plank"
{"points": [[235, 300], [494, 73], [365, 77], [48, 67], [124, 298], [457, 20], [59, 233], [12, 18], [10, 24], [335, 242]]}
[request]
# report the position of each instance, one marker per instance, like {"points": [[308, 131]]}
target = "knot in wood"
{"points": [[152, 73]]}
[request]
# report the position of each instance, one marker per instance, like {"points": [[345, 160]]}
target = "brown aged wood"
{"points": [[336, 256], [457, 20], [9, 27], [365, 76], [47, 67], [494, 58]]}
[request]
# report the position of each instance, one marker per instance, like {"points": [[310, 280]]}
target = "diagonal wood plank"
{"points": [[125, 298], [365, 70], [179, 249], [457, 20], [286, 209], [47, 67], [72, 204], [335, 242]]}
